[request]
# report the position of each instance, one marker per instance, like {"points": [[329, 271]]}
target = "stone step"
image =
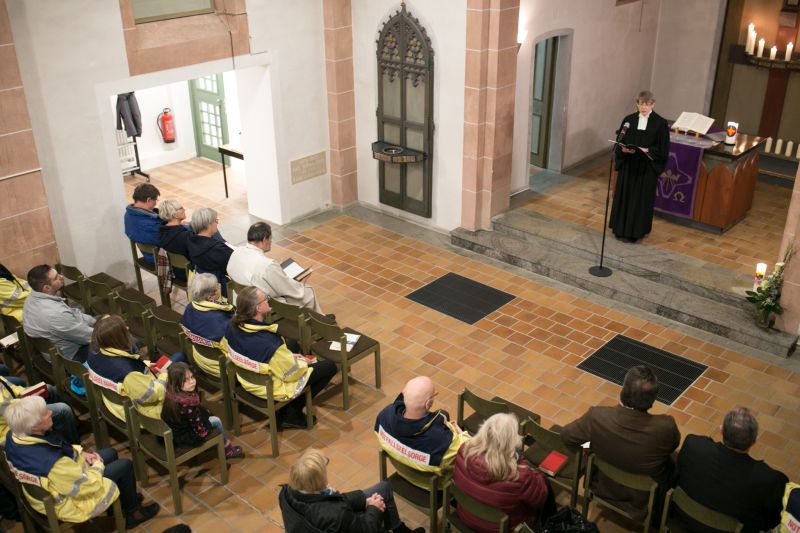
{"points": [[662, 266], [538, 255]]}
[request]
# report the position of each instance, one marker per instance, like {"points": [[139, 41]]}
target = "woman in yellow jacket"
{"points": [[114, 363], [83, 484], [13, 291], [255, 345]]}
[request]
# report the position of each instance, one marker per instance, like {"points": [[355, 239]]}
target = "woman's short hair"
{"points": [[23, 415], [646, 97], [498, 442], [309, 473], [168, 208], [203, 218], [203, 287], [110, 331], [246, 302]]}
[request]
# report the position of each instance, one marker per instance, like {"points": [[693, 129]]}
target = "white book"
{"points": [[352, 339], [294, 270], [693, 122], [9, 340]]}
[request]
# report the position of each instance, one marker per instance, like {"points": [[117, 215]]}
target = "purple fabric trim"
{"points": [[678, 183]]}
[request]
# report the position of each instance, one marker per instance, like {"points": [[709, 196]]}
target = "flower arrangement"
{"points": [[767, 296]]}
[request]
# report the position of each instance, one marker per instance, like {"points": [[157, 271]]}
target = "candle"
{"points": [[761, 270], [768, 146], [751, 38], [789, 147], [752, 43], [760, 48], [798, 152], [730, 133], [773, 52], [778, 146], [789, 48]]}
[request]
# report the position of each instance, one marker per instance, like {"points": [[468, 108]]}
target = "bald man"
{"points": [[413, 434]]}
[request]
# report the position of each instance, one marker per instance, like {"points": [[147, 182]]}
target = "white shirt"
{"points": [[642, 121]]}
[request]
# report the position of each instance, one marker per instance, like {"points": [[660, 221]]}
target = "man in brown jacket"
{"points": [[630, 438]]}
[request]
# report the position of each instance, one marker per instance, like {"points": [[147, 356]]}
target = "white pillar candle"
{"points": [[773, 52], [778, 146], [761, 271], [730, 133], [750, 44], [760, 48], [789, 49], [753, 38], [768, 146], [789, 146]]}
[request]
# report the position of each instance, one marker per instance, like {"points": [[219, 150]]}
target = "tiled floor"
{"points": [[755, 239], [526, 352]]}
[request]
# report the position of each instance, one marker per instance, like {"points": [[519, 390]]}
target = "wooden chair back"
{"points": [[483, 409], [165, 333], [708, 517], [407, 482], [627, 479], [37, 347], [476, 508], [99, 297], [233, 287], [546, 441]]}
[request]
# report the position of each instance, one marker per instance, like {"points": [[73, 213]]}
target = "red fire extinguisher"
{"points": [[166, 125]]}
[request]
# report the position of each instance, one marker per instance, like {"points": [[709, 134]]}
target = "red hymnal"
{"points": [[553, 463], [160, 365], [40, 389]]}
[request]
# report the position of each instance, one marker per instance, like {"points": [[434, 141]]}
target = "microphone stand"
{"points": [[601, 271]]}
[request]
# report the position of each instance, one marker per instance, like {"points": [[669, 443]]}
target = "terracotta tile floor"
{"points": [[757, 238], [526, 352]]}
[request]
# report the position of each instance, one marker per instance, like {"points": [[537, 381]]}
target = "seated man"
{"points": [[415, 436], [13, 292], [249, 265], [205, 319], [630, 438], [63, 417], [47, 315], [308, 500], [83, 484], [141, 217], [723, 477], [207, 253]]}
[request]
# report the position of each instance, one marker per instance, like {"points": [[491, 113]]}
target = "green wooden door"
{"points": [[208, 113], [541, 100]]}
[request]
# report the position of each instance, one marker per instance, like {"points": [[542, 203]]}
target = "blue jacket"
{"points": [[208, 254], [114, 368], [142, 226], [208, 323], [174, 239], [259, 346]]}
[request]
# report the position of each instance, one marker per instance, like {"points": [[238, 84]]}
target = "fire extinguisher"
{"points": [[166, 125]]}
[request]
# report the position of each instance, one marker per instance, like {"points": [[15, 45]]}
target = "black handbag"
{"points": [[568, 520]]}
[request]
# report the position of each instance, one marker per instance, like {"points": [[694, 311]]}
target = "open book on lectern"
{"points": [[694, 122]]}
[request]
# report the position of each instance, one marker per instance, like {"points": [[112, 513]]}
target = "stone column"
{"points": [[338, 23], [491, 70]]}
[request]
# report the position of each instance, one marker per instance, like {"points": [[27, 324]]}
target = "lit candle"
{"points": [[778, 146], [773, 52], [761, 270], [751, 38], [760, 47], [768, 146], [789, 49], [789, 146], [752, 43], [797, 156]]}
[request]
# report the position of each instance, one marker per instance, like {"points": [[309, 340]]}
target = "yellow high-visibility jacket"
{"points": [[12, 297]]}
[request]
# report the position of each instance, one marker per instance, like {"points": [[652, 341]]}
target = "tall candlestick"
{"points": [[789, 49], [773, 52], [760, 47]]}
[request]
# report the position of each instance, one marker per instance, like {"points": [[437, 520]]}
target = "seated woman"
{"points": [[190, 422], [13, 291], [488, 469], [308, 500], [83, 484], [206, 318], [173, 235], [206, 253], [255, 345], [114, 363]]}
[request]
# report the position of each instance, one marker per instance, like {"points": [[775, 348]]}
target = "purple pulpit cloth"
{"points": [[678, 183]]}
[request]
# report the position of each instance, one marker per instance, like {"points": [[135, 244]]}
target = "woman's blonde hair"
{"points": [[309, 473], [497, 441]]}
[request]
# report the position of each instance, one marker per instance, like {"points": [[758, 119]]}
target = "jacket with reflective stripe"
{"points": [[205, 323], [12, 297], [127, 374]]}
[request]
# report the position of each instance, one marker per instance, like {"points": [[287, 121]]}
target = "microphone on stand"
{"points": [[623, 130]]}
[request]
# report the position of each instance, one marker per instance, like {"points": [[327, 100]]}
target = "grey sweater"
{"points": [[50, 317]]}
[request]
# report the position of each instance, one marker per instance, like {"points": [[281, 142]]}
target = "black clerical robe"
{"points": [[635, 193]]}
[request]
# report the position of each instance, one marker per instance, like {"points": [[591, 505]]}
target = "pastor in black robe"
{"points": [[635, 193]]}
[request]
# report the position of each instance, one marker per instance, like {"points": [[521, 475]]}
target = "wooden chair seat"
{"points": [[76, 291], [624, 478], [545, 441], [322, 348], [407, 483], [486, 512]]}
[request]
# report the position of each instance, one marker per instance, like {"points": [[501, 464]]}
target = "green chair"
{"points": [[48, 521], [233, 287], [164, 332], [546, 441], [627, 479], [180, 262], [133, 306], [154, 438], [407, 482], [76, 291], [140, 264], [16, 356], [39, 351], [476, 508], [268, 406], [482, 408], [328, 333], [708, 517], [208, 381], [291, 321], [99, 299], [64, 369], [108, 419]]}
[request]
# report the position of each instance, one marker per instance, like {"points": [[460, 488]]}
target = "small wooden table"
{"points": [[227, 149]]}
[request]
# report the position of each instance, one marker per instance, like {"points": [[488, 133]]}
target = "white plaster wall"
{"points": [[612, 54], [153, 152], [233, 114], [445, 22], [293, 32], [686, 54]]}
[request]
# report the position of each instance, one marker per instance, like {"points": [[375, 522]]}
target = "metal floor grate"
{"points": [[612, 360], [460, 297]]}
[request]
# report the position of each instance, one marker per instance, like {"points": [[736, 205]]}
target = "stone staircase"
{"points": [[687, 290]]}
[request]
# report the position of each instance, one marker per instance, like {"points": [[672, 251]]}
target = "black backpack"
{"points": [[568, 520]]}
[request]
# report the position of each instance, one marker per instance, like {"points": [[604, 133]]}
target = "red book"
{"points": [[40, 389], [160, 365], [553, 463]]}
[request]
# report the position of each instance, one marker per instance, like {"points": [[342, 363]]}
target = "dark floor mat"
{"points": [[460, 297], [613, 359]]}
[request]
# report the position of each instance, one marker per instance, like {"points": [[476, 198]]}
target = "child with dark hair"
{"points": [[190, 422]]}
